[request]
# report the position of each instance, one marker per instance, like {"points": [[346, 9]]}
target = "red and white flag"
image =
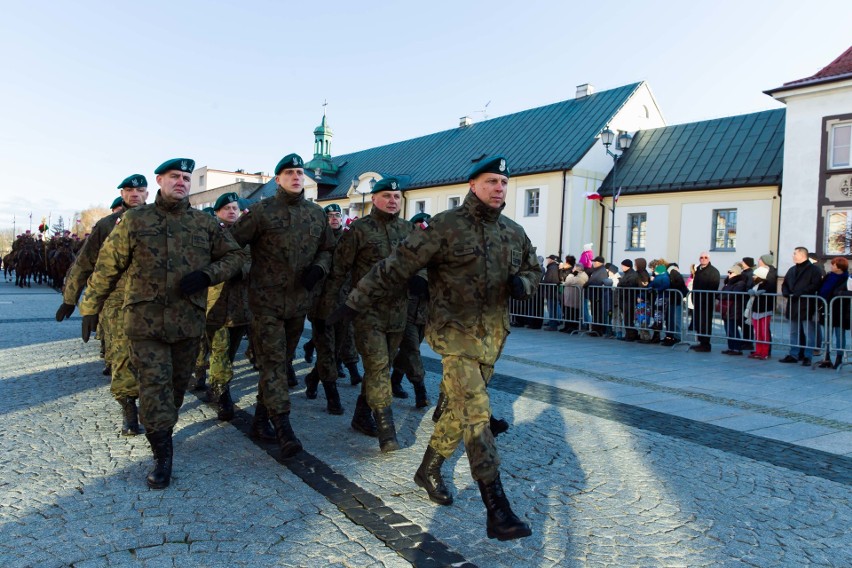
{"points": [[593, 196], [618, 193]]}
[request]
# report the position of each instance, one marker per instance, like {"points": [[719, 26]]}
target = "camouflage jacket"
{"points": [[369, 240], [287, 234], [156, 245], [469, 252], [83, 267], [227, 302]]}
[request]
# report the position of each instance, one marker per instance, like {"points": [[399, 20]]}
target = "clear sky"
{"points": [[95, 91]]}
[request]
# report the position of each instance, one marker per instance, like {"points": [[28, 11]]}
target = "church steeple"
{"points": [[321, 165]]}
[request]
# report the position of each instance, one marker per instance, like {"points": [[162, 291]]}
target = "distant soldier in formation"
{"points": [[477, 260], [379, 327], [170, 254], [123, 385], [291, 245]]}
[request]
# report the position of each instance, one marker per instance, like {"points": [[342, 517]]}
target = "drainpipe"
{"points": [[562, 213], [603, 222]]}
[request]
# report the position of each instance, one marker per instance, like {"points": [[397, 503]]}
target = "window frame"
{"points": [[450, 199], [847, 249], [642, 231], [714, 236], [532, 201], [832, 165]]}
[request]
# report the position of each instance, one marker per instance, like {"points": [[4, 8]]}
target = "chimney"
{"points": [[465, 121], [584, 90]]}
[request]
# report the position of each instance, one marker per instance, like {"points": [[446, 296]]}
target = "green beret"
{"points": [[333, 208], [117, 202], [387, 184], [490, 165], [136, 180], [182, 164], [224, 199], [209, 211], [420, 217], [289, 161]]}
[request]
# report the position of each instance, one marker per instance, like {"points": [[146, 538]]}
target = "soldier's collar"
{"points": [[481, 211], [382, 216], [290, 198]]}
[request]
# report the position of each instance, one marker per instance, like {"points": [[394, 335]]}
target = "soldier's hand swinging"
{"points": [[311, 276], [516, 287], [194, 282], [64, 312], [90, 326], [319, 325], [418, 286], [342, 314]]}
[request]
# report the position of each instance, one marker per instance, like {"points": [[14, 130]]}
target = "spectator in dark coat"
{"points": [[627, 298], [595, 293], [732, 305], [835, 285], [802, 280], [551, 292], [705, 284]]}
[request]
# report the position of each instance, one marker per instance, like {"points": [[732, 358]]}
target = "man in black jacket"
{"points": [[803, 279], [627, 298], [704, 288]]}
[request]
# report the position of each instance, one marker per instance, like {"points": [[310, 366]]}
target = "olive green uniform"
{"points": [[408, 358], [328, 338], [155, 246], [379, 326], [123, 383], [287, 234], [470, 254]]}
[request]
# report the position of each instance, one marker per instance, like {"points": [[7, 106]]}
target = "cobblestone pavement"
{"points": [[602, 482]]}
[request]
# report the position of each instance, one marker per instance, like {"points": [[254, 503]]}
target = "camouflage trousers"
{"points": [[376, 347], [123, 383], [163, 370], [408, 359], [224, 343], [275, 345], [468, 359], [345, 347], [325, 343], [202, 361]]}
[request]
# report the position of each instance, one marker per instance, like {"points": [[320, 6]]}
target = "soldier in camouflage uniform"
{"points": [[123, 385], [476, 259], [291, 246], [407, 361], [170, 253], [228, 316], [378, 330]]}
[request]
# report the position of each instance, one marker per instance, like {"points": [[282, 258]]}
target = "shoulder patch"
{"points": [[423, 225], [117, 220]]}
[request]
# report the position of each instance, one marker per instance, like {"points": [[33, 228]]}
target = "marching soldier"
{"points": [[407, 361], [123, 385], [228, 316], [118, 203], [477, 260], [378, 329], [170, 253], [291, 245]]}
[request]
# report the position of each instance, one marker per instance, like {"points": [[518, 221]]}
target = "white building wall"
{"points": [[802, 137], [535, 226], [656, 235]]}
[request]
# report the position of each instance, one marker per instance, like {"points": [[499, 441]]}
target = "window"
{"points": [[725, 229], [453, 202], [636, 223], [532, 203], [841, 145], [838, 232], [419, 207], [201, 180]]}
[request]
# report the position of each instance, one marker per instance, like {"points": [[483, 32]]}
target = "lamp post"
{"points": [[622, 144], [355, 183]]}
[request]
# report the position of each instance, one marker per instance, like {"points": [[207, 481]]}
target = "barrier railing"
{"points": [[747, 322], [837, 329]]}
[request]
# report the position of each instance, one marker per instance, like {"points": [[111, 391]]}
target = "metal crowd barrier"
{"points": [[740, 321]]}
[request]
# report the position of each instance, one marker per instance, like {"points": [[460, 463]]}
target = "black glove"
{"points": [[342, 314], [311, 276], [236, 277], [318, 325], [90, 326], [516, 287], [64, 312], [418, 286], [194, 282]]}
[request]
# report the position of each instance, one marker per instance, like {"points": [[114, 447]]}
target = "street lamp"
{"points": [[355, 183], [622, 144]]}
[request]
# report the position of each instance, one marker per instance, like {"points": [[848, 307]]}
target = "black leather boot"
{"points": [[502, 523], [332, 398], [291, 375], [420, 400], [260, 427], [200, 379], [130, 418], [287, 440], [340, 372], [107, 370], [311, 383], [440, 407], [429, 477], [497, 425], [161, 446], [386, 429], [309, 351], [396, 384], [355, 377], [226, 404], [838, 360], [362, 420]]}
